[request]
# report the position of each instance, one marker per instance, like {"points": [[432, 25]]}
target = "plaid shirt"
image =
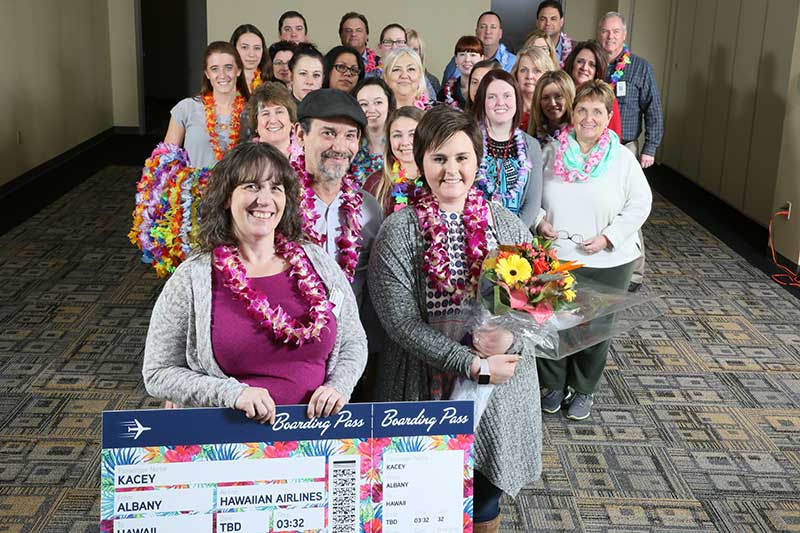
{"points": [[641, 100]]}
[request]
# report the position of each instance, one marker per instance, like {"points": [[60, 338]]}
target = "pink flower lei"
{"points": [[274, 319], [423, 102], [523, 169], [348, 241], [436, 262], [371, 62], [595, 156]]}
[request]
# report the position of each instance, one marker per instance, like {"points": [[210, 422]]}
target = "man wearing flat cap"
{"points": [[337, 214]]}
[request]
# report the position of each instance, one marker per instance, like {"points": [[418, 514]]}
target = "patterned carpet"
{"points": [[696, 424]]}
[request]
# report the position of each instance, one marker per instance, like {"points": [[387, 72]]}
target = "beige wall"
{"points": [[581, 16], [122, 48], [787, 186], [725, 98], [56, 86], [440, 23]]}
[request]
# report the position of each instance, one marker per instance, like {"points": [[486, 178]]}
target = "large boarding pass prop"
{"points": [[392, 467]]}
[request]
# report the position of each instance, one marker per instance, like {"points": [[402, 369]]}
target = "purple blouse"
{"points": [[249, 353]]}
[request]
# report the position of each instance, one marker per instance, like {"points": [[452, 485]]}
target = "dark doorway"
{"points": [[519, 19], [173, 38]]}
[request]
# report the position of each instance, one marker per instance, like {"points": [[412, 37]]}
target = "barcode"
{"points": [[344, 496]]}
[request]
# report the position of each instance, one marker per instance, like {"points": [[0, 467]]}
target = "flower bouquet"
{"points": [[525, 290]]}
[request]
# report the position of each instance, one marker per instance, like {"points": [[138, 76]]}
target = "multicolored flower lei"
{"points": [[256, 81], [275, 319], [490, 187], [436, 262], [449, 93], [167, 201], [619, 68], [371, 61], [596, 155], [423, 102], [365, 163], [404, 190], [349, 240], [211, 123]]}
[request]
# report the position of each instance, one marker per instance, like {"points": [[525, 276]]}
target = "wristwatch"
{"points": [[484, 375]]}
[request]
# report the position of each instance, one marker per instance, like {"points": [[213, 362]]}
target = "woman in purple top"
{"points": [[256, 318]]}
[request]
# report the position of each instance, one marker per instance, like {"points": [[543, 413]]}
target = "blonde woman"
{"points": [[540, 39], [395, 184], [416, 43], [404, 73], [531, 64], [551, 109]]}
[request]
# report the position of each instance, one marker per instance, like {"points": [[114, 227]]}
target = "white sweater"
{"points": [[615, 204]]}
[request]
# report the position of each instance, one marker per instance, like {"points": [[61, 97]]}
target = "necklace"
{"points": [[404, 191], [348, 241], [211, 123], [275, 319], [619, 68], [436, 262], [490, 185], [572, 170]]}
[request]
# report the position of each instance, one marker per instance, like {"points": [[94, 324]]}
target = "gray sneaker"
{"points": [[581, 407], [551, 400]]}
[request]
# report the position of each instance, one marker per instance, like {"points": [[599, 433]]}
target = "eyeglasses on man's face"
{"points": [[389, 42]]}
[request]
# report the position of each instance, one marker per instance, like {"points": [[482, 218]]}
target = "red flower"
{"points": [[540, 266], [182, 454], [460, 442], [280, 449]]}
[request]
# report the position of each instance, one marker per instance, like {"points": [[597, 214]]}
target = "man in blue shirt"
{"points": [[489, 30]]}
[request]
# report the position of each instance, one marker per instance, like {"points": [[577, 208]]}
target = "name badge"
{"points": [[621, 88], [337, 297]]}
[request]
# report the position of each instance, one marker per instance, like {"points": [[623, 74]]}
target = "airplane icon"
{"points": [[137, 428]]}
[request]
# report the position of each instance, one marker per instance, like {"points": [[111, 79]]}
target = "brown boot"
{"points": [[492, 526]]}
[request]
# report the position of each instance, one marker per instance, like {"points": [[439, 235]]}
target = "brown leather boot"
{"points": [[492, 526]]}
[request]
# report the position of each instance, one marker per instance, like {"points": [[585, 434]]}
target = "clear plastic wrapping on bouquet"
{"points": [[597, 313]]}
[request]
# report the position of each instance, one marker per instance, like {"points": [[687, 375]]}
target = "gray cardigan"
{"points": [[509, 437], [179, 363]]}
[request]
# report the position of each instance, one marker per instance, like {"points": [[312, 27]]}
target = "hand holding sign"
{"points": [[325, 401], [257, 404]]}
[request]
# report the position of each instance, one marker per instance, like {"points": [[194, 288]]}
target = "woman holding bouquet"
{"points": [[210, 124], [423, 275], [257, 318], [596, 198], [511, 169]]}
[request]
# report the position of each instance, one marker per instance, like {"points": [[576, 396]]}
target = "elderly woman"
{"points": [[531, 64], [511, 170], [551, 109], [404, 74], [272, 113], [307, 67], [587, 168], [423, 301], [209, 124], [280, 54], [586, 62], [395, 184], [215, 338], [479, 70], [468, 52], [344, 68], [249, 42], [377, 102]]}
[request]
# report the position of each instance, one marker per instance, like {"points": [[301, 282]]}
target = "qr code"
{"points": [[344, 497]]}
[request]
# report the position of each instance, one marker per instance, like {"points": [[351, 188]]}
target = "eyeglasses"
{"points": [[342, 69], [575, 237], [389, 42]]}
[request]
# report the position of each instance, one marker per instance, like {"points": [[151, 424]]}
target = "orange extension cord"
{"points": [[787, 278]]}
